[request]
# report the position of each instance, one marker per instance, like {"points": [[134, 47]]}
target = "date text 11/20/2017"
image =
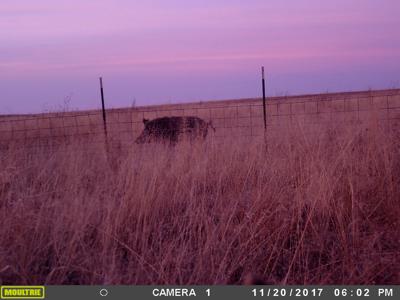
{"points": [[283, 292], [318, 292]]}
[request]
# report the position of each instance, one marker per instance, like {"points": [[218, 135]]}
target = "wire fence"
{"points": [[230, 118]]}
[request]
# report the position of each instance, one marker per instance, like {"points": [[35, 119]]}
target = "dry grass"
{"points": [[319, 208], [240, 117]]}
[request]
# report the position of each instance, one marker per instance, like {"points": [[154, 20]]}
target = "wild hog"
{"points": [[173, 129]]}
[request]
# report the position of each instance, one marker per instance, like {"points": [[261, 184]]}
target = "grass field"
{"points": [[238, 118], [320, 208]]}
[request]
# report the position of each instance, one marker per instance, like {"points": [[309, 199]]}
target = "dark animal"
{"points": [[250, 279], [173, 129]]}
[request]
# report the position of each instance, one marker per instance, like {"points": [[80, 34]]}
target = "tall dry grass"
{"points": [[308, 208]]}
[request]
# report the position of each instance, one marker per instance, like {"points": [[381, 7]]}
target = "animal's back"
{"points": [[173, 129]]}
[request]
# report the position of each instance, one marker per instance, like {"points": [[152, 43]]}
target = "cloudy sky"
{"points": [[167, 51]]}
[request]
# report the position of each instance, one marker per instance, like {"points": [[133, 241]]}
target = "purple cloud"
{"points": [[192, 49]]}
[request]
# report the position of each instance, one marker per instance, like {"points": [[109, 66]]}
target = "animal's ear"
{"points": [[145, 121]]}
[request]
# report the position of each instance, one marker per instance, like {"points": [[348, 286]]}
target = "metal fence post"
{"points": [[104, 116], [264, 104], [103, 107]]}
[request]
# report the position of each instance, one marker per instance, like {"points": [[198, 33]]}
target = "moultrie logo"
{"points": [[22, 292]]}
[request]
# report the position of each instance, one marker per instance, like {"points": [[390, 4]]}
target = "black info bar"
{"points": [[199, 292]]}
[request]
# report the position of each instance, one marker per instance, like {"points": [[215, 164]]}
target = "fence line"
{"points": [[234, 118]]}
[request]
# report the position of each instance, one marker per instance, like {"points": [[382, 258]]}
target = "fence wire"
{"points": [[230, 118]]}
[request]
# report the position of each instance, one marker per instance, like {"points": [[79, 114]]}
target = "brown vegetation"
{"points": [[320, 207], [233, 117]]}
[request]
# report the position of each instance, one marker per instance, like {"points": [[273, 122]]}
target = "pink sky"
{"points": [[179, 50]]}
